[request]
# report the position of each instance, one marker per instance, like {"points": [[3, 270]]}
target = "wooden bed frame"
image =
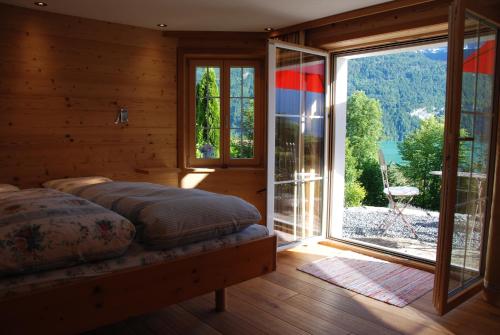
{"points": [[89, 303]]}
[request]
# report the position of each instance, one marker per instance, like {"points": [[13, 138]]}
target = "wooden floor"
{"points": [[290, 302]]}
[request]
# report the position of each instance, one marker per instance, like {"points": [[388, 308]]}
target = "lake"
{"points": [[391, 152]]}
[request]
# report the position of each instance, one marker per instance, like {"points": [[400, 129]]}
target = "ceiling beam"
{"points": [[431, 14], [350, 15]]}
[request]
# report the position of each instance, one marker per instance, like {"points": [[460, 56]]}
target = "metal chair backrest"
{"points": [[383, 168]]}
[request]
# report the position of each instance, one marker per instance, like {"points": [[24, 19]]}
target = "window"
{"points": [[224, 113]]}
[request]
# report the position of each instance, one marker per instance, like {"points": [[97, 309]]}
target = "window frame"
{"points": [[224, 159]]}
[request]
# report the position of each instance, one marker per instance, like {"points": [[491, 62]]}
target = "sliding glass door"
{"points": [[296, 142]]}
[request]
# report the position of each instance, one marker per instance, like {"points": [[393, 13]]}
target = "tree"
{"points": [[364, 131], [207, 116], [364, 126], [423, 152]]}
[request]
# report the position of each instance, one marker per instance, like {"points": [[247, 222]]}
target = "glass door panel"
{"points": [[473, 156], [471, 114], [297, 142]]}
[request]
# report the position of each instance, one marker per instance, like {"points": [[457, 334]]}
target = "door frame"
{"points": [[271, 134], [337, 145]]}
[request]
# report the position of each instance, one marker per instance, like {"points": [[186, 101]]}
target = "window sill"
{"points": [[156, 170], [219, 169]]}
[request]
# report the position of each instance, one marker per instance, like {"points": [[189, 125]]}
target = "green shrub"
{"points": [[371, 179], [354, 194]]}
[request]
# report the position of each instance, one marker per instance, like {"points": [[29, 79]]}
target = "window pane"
{"points": [[248, 114], [235, 143], [248, 82], [235, 106], [236, 77], [200, 71], [469, 77], [286, 150], [285, 208], [466, 124], [242, 143], [242, 113], [208, 113], [205, 72], [247, 143], [207, 149], [314, 85], [313, 147]]}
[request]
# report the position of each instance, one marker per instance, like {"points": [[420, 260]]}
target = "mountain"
{"points": [[439, 54], [409, 85]]}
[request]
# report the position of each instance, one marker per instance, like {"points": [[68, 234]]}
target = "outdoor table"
{"points": [[475, 175]]}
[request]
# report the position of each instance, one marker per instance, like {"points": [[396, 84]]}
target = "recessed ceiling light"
{"points": [[41, 4], [161, 25], [268, 29]]}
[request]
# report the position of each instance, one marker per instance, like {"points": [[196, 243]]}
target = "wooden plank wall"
{"points": [[62, 81]]}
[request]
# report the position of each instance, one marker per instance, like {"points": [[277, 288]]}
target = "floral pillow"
{"points": [[8, 188], [43, 229], [69, 184]]}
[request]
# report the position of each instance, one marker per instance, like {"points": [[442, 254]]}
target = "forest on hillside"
{"points": [[400, 98], [405, 84]]}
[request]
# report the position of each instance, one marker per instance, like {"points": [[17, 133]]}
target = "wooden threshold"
{"points": [[380, 255]]}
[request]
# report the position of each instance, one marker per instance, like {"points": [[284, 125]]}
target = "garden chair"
{"points": [[399, 198]]}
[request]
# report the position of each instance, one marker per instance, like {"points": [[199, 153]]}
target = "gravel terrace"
{"points": [[363, 224]]}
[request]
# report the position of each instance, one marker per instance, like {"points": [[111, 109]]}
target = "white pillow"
{"points": [[8, 188], [69, 184]]}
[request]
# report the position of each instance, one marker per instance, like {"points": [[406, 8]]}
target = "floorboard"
{"points": [[226, 322], [291, 302]]}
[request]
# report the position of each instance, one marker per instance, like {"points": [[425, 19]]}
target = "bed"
{"points": [[85, 296]]}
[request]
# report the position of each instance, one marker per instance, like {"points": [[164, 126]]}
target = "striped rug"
{"points": [[394, 284]]}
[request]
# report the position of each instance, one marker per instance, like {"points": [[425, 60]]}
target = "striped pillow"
{"points": [[167, 217]]}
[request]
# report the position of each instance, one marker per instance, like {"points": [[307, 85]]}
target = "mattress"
{"points": [[136, 256]]}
